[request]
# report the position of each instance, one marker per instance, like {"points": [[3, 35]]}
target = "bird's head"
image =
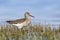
{"points": [[27, 14]]}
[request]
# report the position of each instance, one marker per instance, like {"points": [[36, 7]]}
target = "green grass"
{"points": [[35, 32]]}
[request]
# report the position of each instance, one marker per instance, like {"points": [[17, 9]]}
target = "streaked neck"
{"points": [[27, 18]]}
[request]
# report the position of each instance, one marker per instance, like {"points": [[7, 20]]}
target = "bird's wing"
{"points": [[16, 21]]}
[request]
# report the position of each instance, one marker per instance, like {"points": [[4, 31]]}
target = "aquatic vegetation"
{"points": [[35, 32]]}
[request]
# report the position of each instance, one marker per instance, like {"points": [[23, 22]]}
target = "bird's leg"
{"points": [[29, 25]]}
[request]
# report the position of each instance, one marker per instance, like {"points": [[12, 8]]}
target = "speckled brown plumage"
{"points": [[16, 21]]}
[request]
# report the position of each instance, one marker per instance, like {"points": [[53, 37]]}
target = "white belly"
{"points": [[20, 25]]}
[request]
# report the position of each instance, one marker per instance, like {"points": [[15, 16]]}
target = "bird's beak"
{"points": [[32, 16]]}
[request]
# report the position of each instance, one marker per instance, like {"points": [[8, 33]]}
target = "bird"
{"points": [[23, 22]]}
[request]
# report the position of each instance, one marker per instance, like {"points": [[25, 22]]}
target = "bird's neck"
{"points": [[27, 18]]}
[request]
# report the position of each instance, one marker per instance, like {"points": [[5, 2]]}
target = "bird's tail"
{"points": [[8, 21]]}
